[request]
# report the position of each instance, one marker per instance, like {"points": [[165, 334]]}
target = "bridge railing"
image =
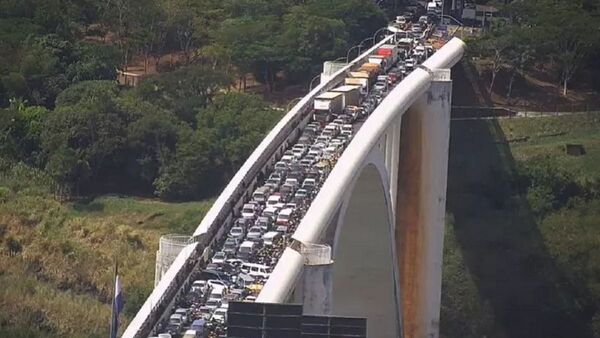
{"points": [[220, 216], [341, 178]]}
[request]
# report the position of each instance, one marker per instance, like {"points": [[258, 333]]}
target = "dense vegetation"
{"points": [[63, 113], [56, 258], [556, 38], [521, 252]]}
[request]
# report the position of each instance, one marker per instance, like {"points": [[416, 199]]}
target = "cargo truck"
{"points": [[351, 94], [372, 69], [326, 105], [363, 83], [383, 61], [390, 51]]}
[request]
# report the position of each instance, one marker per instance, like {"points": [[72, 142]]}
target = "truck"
{"points": [[383, 61], [351, 94], [363, 82], [390, 51], [326, 105], [372, 69]]}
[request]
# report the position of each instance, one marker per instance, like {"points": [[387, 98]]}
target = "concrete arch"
{"points": [[364, 277]]}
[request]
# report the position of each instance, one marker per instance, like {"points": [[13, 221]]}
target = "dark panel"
{"points": [[238, 332], [282, 333], [245, 307], [287, 322], [347, 321], [239, 319], [283, 309], [348, 330], [315, 320], [315, 328]]}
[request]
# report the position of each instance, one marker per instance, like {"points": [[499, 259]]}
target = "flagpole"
{"points": [[112, 307]]}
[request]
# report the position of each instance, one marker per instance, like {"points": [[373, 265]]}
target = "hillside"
{"points": [[57, 259], [522, 242]]}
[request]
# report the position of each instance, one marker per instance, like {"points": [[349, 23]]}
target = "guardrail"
{"points": [[341, 178], [222, 213]]}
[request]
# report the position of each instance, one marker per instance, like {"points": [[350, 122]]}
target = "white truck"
{"points": [[385, 62], [326, 105], [351, 94], [360, 79]]}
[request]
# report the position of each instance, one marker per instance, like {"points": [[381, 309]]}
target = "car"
{"points": [[216, 284], [380, 86], [219, 315], [271, 237], [247, 250], [347, 129], [301, 196], [185, 315], [234, 262], [292, 181], [264, 223], [270, 212], [287, 159], [287, 191], [242, 222], [280, 167], [256, 270], [250, 299], [219, 258], [273, 183], [237, 232], [255, 233], [400, 19], [307, 162], [231, 245], [274, 200], [204, 312], [285, 216], [249, 211], [201, 286], [261, 194], [213, 304], [323, 138]]}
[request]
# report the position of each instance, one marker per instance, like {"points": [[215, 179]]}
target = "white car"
{"points": [[219, 258], [216, 284], [219, 315], [213, 304], [201, 286], [254, 233], [237, 232], [249, 211], [184, 314]]}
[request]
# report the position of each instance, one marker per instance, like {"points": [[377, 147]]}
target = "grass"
{"points": [[509, 272], [56, 260]]}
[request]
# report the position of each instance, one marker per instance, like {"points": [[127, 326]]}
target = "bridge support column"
{"points": [[421, 207], [317, 280]]}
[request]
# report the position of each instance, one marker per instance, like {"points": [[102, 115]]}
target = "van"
{"points": [[256, 270], [271, 237], [285, 216], [191, 334], [246, 250], [261, 194], [217, 292]]}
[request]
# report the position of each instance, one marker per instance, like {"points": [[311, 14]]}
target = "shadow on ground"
{"points": [[501, 245]]}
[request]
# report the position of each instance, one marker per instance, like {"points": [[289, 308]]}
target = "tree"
{"points": [[309, 39], [183, 91], [93, 62], [494, 46], [568, 33]]}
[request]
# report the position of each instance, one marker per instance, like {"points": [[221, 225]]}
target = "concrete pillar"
{"points": [[317, 279], [421, 207]]}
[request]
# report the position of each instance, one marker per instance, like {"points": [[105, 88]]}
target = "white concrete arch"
{"points": [[364, 278]]}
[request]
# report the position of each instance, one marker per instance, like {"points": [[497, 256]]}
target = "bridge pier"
{"points": [[421, 201]]}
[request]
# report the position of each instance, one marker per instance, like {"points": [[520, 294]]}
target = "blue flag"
{"points": [[117, 308]]}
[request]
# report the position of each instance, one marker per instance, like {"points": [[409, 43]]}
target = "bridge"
{"points": [[370, 242]]}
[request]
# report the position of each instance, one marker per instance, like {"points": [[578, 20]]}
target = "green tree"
{"points": [[183, 91]]}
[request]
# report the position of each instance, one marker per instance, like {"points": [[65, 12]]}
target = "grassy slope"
{"points": [[59, 282], [508, 273]]}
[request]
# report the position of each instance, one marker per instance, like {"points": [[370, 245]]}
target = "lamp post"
{"points": [[377, 32], [361, 44], [311, 82], [349, 50], [294, 101]]}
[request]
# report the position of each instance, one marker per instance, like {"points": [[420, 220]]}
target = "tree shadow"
{"points": [[500, 241]]}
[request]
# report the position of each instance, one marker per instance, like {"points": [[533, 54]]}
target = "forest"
{"points": [[181, 133]]}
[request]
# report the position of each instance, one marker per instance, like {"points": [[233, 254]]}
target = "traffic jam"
{"points": [[268, 219]]}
